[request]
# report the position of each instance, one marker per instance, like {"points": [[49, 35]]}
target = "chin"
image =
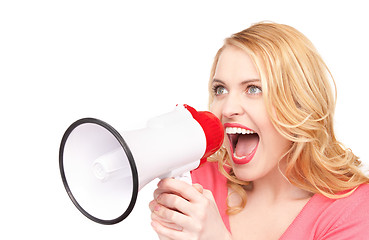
{"points": [[244, 173]]}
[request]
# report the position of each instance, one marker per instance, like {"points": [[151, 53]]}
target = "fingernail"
{"points": [[159, 183], [158, 197], [157, 207]]}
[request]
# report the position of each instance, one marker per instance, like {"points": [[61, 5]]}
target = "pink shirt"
{"points": [[321, 217]]}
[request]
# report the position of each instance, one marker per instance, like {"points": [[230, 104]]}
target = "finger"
{"points": [[151, 205], [154, 206], [179, 187], [160, 191], [163, 231], [172, 216], [209, 195], [174, 202], [165, 223]]}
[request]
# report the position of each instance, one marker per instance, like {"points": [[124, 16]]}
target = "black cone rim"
{"points": [[130, 159]]}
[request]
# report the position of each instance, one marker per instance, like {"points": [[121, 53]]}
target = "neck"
{"points": [[275, 187]]}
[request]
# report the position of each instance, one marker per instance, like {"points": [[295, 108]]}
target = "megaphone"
{"points": [[103, 170]]}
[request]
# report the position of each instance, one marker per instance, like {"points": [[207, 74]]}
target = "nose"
{"points": [[232, 107]]}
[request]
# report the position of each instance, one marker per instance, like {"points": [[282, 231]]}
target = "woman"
{"points": [[281, 173]]}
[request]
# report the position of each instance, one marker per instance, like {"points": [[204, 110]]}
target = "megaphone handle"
{"points": [[183, 173], [186, 177]]}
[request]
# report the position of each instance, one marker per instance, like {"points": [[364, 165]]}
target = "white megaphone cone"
{"points": [[103, 170]]}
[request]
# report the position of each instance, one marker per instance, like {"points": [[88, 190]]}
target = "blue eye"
{"points": [[219, 90], [253, 90]]}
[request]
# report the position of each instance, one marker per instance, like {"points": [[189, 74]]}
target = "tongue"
{"points": [[246, 144]]}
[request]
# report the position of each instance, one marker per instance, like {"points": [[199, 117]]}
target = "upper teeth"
{"points": [[234, 130]]}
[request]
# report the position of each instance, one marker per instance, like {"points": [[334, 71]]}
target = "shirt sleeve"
{"points": [[330, 219]]}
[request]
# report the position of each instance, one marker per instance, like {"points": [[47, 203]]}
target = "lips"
{"points": [[243, 142]]}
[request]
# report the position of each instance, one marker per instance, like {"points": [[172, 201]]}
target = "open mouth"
{"points": [[243, 143]]}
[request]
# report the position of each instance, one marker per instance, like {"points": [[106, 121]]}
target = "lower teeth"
{"points": [[237, 157]]}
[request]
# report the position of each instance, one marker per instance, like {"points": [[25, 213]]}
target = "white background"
{"points": [[124, 63]]}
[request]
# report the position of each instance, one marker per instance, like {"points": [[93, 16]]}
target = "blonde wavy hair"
{"points": [[300, 102]]}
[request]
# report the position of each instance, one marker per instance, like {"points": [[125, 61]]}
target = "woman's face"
{"points": [[251, 140]]}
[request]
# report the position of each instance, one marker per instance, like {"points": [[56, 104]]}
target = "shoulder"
{"points": [[352, 215], [326, 218], [362, 191], [355, 202], [358, 198], [346, 218]]}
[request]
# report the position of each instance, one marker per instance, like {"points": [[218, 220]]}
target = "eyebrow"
{"points": [[215, 80]]}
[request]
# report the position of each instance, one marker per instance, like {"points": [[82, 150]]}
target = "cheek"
{"points": [[275, 144], [216, 109]]}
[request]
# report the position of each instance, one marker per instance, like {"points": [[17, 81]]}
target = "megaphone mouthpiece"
{"points": [[213, 130]]}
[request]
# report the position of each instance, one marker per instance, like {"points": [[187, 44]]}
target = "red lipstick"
{"points": [[246, 137]]}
